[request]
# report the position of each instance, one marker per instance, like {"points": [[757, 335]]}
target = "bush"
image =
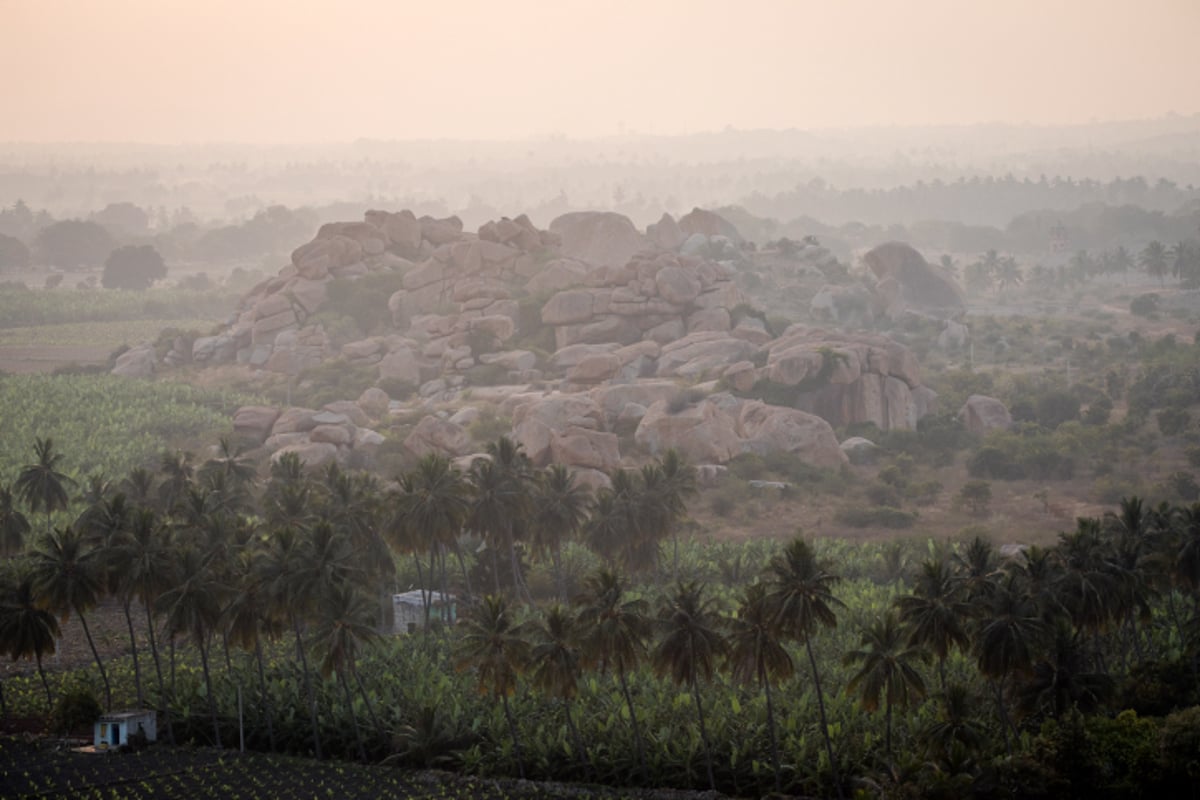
{"points": [[1173, 421], [364, 300], [1144, 305], [1055, 407], [878, 516], [76, 708], [133, 267], [992, 462], [883, 494], [1183, 486], [975, 496]]}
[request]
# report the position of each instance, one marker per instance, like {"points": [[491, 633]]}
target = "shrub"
{"points": [[133, 267], [1144, 305], [975, 496], [992, 462], [878, 516], [1173, 421], [77, 707], [1182, 485], [1193, 456], [1056, 407], [364, 300], [883, 494]]}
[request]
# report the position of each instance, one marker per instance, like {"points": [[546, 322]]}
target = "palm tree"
{"points": [[13, 524], [614, 631], [935, 612], [285, 573], [231, 462], [430, 511], [42, 485], [502, 503], [177, 470], [26, 629], [617, 526], [801, 592], [1008, 274], [246, 620], [344, 623], [143, 559], [193, 607], [494, 645], [559, 510], [67, 577], [138, 486], [1153, 259], [666, 487], [689, 649], [887, 662], [756, 654], [1007, 631], [955, 725], [555, 661]]}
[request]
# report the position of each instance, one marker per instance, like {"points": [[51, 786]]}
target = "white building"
{"points": [[115, 729]]}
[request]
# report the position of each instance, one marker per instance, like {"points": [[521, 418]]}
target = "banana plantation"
{"points": [[593, 640]]}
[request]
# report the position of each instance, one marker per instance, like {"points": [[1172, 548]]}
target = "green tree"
{"points": [[559, 511], [935, 613], [42, 485], [68, 577], [555, 661], [14, 527], [887, 666], [133, 267], [494, 644], [614, 631], [26, 628], [756, 654], [344, 625], [72, 243], [1154, 261], [192, 607], [801, 591], [689, 650]]}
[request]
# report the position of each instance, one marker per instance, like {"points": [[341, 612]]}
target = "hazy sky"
{"points": [[304, 71]]}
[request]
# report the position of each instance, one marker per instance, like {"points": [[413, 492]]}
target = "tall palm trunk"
{"points": [[812, 660], [633, 720], [268, 711], [580, 749], [362, 691], [137, 669], [163, 706], [766, 684], [708, 762], [99, 663], [888, 724], [512, 731], [45, 683], [212, 703], [308, 688], [362, 750]]}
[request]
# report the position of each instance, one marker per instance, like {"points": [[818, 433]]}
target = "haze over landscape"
{"points": [[658, 399]]}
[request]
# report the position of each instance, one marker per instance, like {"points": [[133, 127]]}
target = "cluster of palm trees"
{"points": [[203, 553], [207, 555]]}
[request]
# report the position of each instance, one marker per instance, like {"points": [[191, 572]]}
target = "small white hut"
{"points": [[409, 609], [115, 729]]}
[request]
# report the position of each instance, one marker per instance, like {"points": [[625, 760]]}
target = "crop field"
{"points": [[109, 334], [109, 424], [35, 769]]}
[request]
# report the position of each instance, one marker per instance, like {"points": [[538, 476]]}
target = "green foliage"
{"points": [[976, 496], [363, 300], [332, 380], [1173, 421], [133, 267], [104, 423], [75, 708], [1144, 305], [21, 307], [876, 517]]}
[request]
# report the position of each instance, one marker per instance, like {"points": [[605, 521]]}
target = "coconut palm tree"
{"points": [[502, 504], [935, 613], [344, 624], [14, 527], [192, 607], [178, 471], [245, 620], [689, 650], [68, 577], [143, 559], [26, 628], [620, 520], [614, 631], [756, 654], [42, 485], [801, 592], [559, 510], [281, 570], [1154, 260], [955, 724], [555, 660], [1006, 635], [429, 512], [494, 645], [230, 461], [887, 666]]}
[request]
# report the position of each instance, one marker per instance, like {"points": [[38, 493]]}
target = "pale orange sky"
{"points": [[303, 71]]}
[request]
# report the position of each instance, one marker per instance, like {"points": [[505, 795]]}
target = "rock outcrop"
{"points": [[982, 414], [907, 281]]}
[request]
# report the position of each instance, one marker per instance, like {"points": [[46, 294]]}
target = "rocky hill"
{"points": [[591, 339]]}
